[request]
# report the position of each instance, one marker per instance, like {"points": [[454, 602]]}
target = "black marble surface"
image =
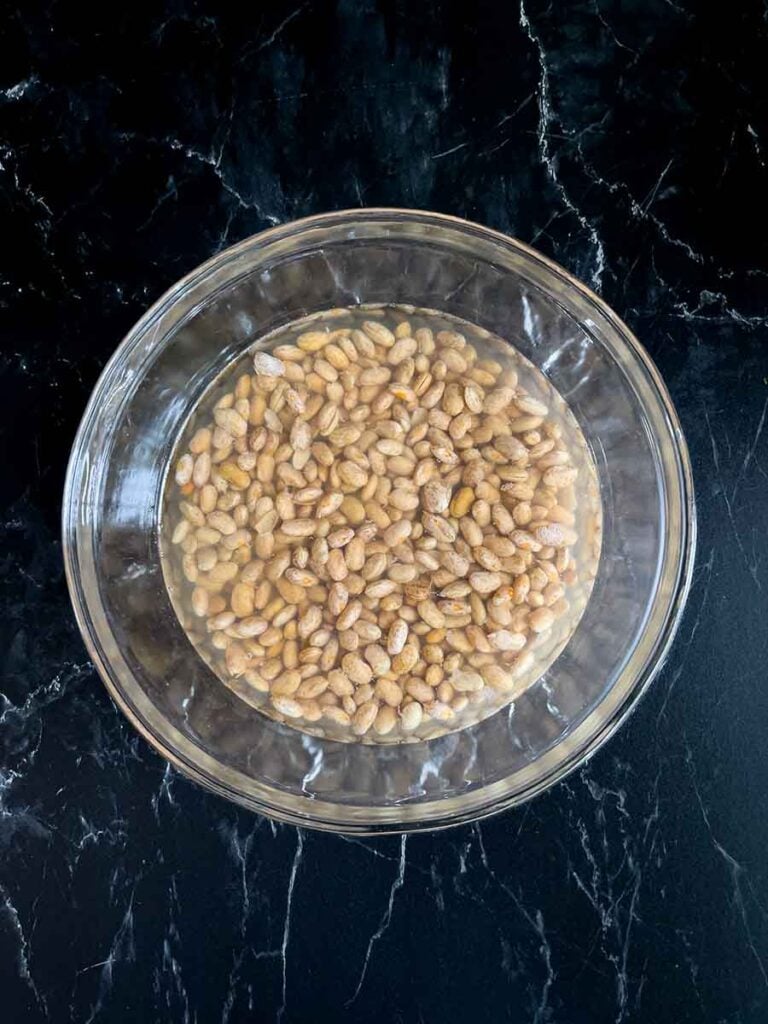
{"points": [[629, 141]]}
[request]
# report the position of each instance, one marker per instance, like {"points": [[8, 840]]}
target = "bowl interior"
{"points": [[115, 489]]}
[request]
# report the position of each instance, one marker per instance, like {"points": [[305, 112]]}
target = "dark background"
{"points": [[628, 140]]}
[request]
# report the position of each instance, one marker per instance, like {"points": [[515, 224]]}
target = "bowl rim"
{"points": [[478, 809]]}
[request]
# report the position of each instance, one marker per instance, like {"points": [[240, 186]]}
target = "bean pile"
{"points": [[375, 526]]}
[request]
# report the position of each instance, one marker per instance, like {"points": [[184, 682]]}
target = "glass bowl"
{"points": [[113, 497]]}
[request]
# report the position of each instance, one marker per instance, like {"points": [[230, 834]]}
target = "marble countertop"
{"points": [[629, 142]]}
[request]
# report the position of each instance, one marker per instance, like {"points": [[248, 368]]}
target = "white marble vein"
{"points": [[443, 67], [535, 920], [170, 978], [280, 28], [385, 920], [640, 211], [756, 143], [751, 566], [750, 453], [23, 955], [170, 192], [122, 950], [713, 307], [164, 792], [210, 159], [287, 923], [241, 849], [547, 119], [368, 849], [9, 164], [447, 152], [612, 882], [736, 870], [601, 18], [214, 162], [16, 92]]}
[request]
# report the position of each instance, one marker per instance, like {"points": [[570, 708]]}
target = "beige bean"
{"points": [[378, 333], [385, 721], [201, 441], [397, 636], [381, 588], [504, 640], [388, 691], [309, 621], [430, 613], [461, 502], [465, 682], [541, 619], [231, 422], [236, 659], [364, 717], [356, 669], [419, 690], [497, 400], [338, 596], [374, 566], [181, 531], [440, 528], [299, 527], [485, 582], [440, 711], [336, 565], [378, 659], [402, 349], [411, 716], [354, 555], [349, 615], [455, 563], [402, 573], [404, 662], [223, 572], [367, 630], [287, 706], [200, 602], [250, 627]]}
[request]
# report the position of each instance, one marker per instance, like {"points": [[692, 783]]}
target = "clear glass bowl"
{"points": [[113, 494]]}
